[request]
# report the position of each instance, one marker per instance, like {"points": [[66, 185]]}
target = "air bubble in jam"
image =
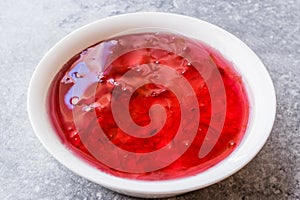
{"points": [[78, 75], [231, 144], [80, 101], [74, 100]]}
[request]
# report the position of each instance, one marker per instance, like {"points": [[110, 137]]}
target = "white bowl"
{"points": [[255, 76]]}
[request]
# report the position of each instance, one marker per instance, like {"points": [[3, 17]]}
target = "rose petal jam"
{"points": [[149, 106]]}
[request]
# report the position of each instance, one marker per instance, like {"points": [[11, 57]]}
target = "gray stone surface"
{"points": [[29, 28]]}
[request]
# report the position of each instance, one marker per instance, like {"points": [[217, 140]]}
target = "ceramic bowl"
{"points": [[255, 76]]}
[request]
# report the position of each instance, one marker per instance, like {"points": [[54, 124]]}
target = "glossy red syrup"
{"points": [[80, 105]]}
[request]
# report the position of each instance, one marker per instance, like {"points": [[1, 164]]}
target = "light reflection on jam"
{"points": [[72, 99]]}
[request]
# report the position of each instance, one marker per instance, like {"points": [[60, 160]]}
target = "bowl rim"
{"points": [[234, 162]]}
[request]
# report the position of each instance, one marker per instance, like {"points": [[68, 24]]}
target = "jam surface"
{"points": [[150, 106]]}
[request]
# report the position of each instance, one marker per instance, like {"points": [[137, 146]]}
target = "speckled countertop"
{"points": [[29, 28]]}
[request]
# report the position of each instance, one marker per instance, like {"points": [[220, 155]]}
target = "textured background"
{"points": [[29, 28]]}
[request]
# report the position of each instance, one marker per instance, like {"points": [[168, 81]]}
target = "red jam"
{"points": [[149, 106]]}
